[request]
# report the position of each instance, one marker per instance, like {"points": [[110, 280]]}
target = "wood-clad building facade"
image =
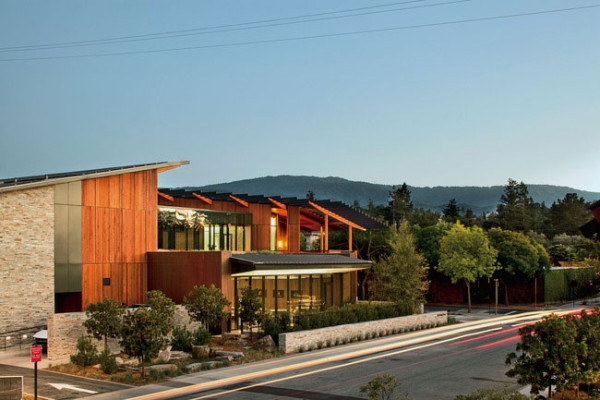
{"points": [[111, 233]]}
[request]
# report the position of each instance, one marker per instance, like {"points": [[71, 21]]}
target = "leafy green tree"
{"points": [[514, 210], [401, 204], [429, 240], [424, 218], [569, 214], [401, 277], [549, 355], [251, 307], [206, 305], [144, 330], [451, 211], [383, 387], [518, 257], [104, 320], [466, 255]]}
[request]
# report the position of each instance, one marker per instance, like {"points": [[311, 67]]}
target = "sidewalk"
{"points": [[21, 358]]}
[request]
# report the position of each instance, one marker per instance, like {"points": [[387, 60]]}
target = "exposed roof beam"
{"points": [[166, 196], [203, 198], [336, 216], [278, 203], [238, 200]]}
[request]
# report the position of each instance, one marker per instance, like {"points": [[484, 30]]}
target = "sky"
{"points": [[431, 93]]}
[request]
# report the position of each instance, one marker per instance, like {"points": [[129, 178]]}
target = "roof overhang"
{"points": [[294, 264], [82, 175]]}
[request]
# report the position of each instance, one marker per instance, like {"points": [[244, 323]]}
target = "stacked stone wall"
{"points": [[310, 339], [26, 259]]}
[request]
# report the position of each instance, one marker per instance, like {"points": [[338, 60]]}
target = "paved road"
{"points": [[45, 378], [432, 372], [438, 363]]}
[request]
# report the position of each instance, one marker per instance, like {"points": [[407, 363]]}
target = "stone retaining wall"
{"points": [[64, 329], [291, 342]]}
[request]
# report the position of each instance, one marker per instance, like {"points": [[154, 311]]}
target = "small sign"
{"points": [[36, 353]]}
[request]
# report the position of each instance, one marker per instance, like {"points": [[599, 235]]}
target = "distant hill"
{"points": [[479, 199]]}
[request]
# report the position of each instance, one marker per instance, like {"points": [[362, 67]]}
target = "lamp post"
{"points": [[496, 295]]}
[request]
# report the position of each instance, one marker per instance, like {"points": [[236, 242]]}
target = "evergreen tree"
{"points": [[401, 204], [451, 211], [514, 210], [104, 320], [401, 277], [569, 214]]}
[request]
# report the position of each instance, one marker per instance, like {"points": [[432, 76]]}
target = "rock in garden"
{"points": [[162, 367], [266, 343]]}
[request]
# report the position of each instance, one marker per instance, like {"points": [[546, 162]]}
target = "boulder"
{"points": [[235, 355], [165, 355], [199, 352], [126, 362], [180, 356], [195, 367], [212, 351], [266, 343]]}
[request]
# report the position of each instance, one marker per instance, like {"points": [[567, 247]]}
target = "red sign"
{"points": [[36, 353]]}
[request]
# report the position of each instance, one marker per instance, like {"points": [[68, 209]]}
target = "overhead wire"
{"points": [[167, 34], [299, 38]]}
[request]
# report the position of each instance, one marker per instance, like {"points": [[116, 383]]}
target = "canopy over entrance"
{"points": [[256, 264]]}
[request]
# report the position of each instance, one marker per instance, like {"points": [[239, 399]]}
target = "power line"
{"points": [[298, 38], [160, 35]]}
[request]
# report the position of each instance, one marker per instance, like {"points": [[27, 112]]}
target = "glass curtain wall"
{"points": [[186, 229]]}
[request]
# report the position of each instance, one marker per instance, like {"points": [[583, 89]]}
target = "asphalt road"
{"points": [[427, 371], [77, 386]]}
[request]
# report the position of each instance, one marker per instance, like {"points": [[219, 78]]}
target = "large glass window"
{"points": [[273, 233], [187, 229]]}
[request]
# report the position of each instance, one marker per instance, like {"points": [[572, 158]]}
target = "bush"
{"points": [[271, 325], [182, 339], [108, 364], [87, 354], [201, 337], [491, 394]]}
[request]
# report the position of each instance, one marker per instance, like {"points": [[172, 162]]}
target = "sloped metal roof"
{"points": [[17, 183]]}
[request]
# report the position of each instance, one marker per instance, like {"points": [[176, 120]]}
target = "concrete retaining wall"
{"points": [[294, 341]]}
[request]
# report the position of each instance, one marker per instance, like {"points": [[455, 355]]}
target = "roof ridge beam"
{"points": [[203, 198]]}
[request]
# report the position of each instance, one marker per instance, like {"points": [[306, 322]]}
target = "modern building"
{"points": [[68, 240]]}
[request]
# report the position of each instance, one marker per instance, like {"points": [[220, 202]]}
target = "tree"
{"points": [[382, 387], [104, 320], [518, 256], [429, 240], [310, 195], [250, 306], [401, 277], [569, 214], [513, 212], [549, 355], [466, 254], [401, 204], [451, 211], [206, 305], [145, 329]]}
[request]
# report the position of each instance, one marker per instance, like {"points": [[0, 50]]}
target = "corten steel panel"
{"points": [[102, 192], [61, 236], [88, 192], [115, 254], [114, 197], [74, 241], [261, 226], [127, 191], [177, 272], [75, 193]]}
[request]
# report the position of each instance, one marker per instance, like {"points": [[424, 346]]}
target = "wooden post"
{"points": [[326, 233], [322, 245], [350, 239]]}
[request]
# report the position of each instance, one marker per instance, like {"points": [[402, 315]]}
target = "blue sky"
{"points": [[459, 104]]}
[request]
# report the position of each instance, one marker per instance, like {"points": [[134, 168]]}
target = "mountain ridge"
{"points": [[478, 198]]}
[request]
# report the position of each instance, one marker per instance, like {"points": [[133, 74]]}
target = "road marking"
{"points": [[61, 386]]}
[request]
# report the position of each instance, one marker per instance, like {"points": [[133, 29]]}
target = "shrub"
{"points": [[128, 379], [108, 364], [201, 337], [87, 354], [319, 345], [271, 325], [182, 339]]}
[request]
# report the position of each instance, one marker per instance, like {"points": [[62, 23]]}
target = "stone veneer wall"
{"points": [[64, 329], [26, 258], [292, 341]]}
